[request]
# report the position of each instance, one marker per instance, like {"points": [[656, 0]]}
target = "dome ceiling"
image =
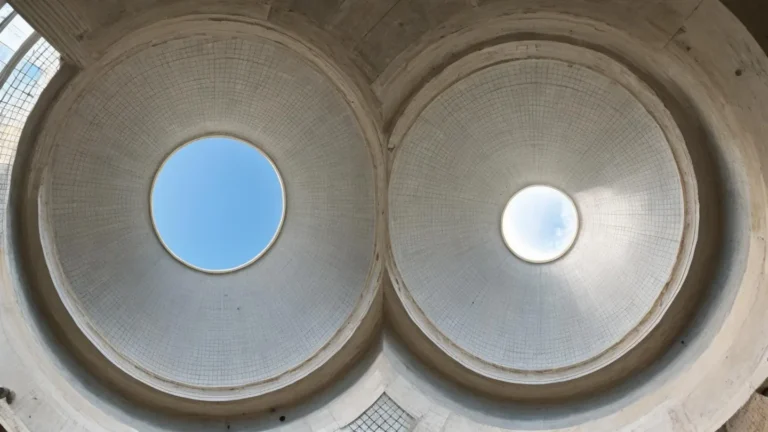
{"points": [[160, 320], [495, 132]]}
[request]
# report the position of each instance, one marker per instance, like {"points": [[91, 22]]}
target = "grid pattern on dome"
{"points": [[490, 135], [144, 306], [383, 416]]}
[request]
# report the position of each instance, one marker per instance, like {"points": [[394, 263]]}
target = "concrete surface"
{"points": [[752, 417], [381, 57]]}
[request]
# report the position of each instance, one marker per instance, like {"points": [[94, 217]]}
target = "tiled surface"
{"points": [[383, 416], [176, 323], [495, 132]]}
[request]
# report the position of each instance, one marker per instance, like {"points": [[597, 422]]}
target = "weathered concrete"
{"points": [[8, 419], [752, 417]]}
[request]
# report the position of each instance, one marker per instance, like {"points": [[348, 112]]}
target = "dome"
{"points": [[187, 332], [487, 137]]}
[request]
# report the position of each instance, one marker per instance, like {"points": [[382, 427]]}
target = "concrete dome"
{"points": [[486, 137], [182, 330]]}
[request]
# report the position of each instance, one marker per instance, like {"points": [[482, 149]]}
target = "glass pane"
{"points": [[12, 37], [5, 11], [17, 98]]}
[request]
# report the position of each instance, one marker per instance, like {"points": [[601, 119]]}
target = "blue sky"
{"points": [[540, 223], [217, 203]]}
